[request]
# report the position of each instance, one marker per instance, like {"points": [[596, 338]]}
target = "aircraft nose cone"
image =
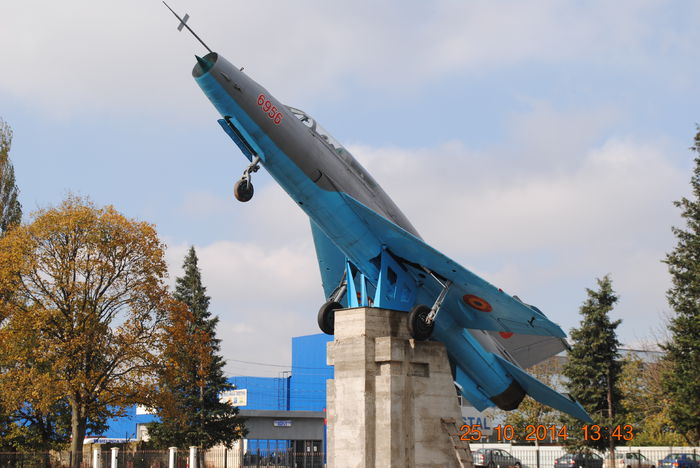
{"points": [[204, 63]]}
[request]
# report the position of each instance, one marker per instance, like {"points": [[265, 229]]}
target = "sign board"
{"points": [[238, 397], [282, 423], [472, 416], [104, 440]]}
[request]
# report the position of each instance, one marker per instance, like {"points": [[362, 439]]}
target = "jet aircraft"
{"points": [[369, 254]]}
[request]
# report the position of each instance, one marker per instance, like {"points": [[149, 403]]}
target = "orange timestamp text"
{"points": [[541, 432]]}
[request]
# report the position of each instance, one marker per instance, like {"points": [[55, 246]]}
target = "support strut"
{"points": [[337, 295], [438, 302], [253, 167]]}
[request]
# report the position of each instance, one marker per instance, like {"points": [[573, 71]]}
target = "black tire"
{"points": [[417, 327], [243, 190], [517, 465], [326, 317]]}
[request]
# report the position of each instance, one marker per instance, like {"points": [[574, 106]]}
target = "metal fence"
{"points": [[37, 459], [527, 456], [144, 459], [213, 458], [124, 459], [547, 456]]}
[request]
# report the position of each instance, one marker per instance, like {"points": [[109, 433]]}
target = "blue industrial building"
{"points": [[299, 392]]}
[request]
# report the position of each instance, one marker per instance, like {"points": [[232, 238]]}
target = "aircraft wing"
{"points": [[507, 314], [528, 350]]}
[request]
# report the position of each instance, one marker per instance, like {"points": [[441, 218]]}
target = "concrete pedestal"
{"points": [[392, 402]]}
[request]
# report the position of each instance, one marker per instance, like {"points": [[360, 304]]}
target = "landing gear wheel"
{"points": [[417, 326], [326, 317], [243, 190]]}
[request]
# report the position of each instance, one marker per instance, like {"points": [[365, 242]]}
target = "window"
{"points": [[317, 129]]}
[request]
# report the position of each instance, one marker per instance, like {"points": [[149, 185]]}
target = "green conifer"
{"points": [[593, 369], [192, 380], [682, 381], [10, 208]]}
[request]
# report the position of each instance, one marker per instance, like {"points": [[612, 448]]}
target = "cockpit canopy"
{"points": [[344, 155], [307, 120]]}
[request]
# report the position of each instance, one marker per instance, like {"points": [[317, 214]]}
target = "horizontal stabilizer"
{"points": [[544, 394], [183, 22]]}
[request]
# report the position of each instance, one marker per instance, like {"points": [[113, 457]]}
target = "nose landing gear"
{"points": [[243, 189]]}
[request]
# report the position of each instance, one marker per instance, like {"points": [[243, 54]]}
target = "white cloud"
{"points": [[262, 294], [204, 204], [81, 55], [614, 195]]}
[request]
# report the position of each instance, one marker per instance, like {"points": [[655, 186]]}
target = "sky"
{"points": [[540, 144]]}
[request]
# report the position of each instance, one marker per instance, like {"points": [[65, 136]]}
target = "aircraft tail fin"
{"points": [[544, 394]]}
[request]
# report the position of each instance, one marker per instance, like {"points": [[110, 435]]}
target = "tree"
{"points": [[10, 208], [191, 378], [593, 369], [10, 214], [84, 294], [31, 430], [645, 402], [682, 381]]}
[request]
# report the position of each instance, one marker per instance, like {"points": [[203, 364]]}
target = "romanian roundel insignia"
{"points": [[505, 335], [477, 303]]}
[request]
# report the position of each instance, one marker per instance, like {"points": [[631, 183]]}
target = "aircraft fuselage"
{"points": [[318, 175]]}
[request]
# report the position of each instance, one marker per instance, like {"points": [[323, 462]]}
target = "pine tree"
{"points": [[192, 377], [10, 208], [593, 369], [682, 381], [10, 214]]}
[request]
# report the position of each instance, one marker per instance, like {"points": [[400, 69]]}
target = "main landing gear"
{"points": [[326, 317], [326, 314], [418, 325], [421, 318], [243, 189]]}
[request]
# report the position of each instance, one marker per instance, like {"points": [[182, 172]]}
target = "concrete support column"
{"points": [[172, 453], [389, 395], [193, 457], [97, 457], [115, 455]]}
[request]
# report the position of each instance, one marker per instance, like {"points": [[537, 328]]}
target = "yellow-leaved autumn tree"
{"points": [[82, 295]]}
